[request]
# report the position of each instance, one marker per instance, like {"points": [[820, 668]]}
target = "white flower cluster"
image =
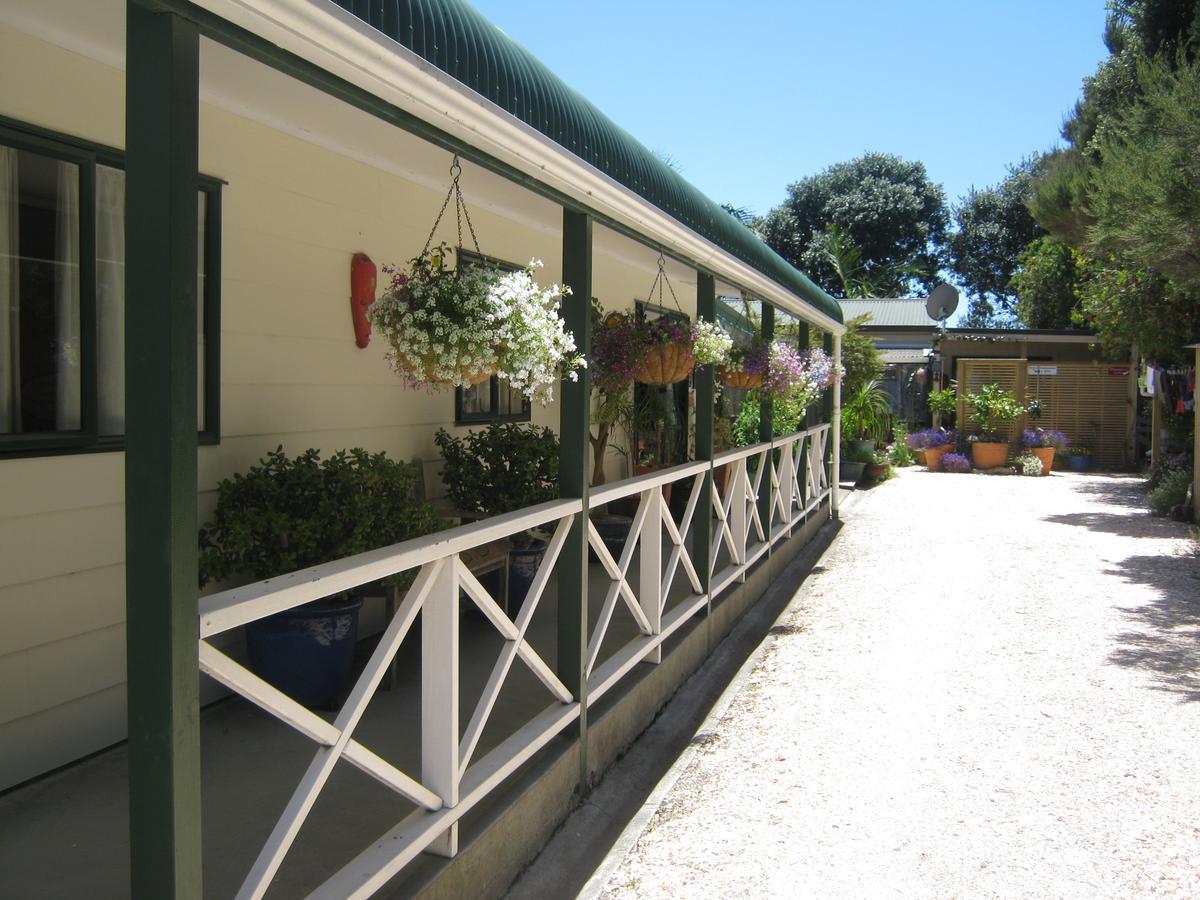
{"points": [[535, 347], [448, 327], [712, 345]]}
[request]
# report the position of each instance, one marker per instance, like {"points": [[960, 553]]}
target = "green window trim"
{"points": [[87, 155], [465, 257]]}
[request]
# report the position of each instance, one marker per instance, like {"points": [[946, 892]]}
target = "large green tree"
{"points": [[885, 207], [993, 228], [1045, 284]]}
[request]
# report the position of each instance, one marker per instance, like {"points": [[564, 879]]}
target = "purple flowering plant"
{"points": [[1042, 437], [955, 462], [931, 437]]}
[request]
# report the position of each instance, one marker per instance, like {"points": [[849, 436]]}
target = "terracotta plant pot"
{"points": [[736, 378], [933, 457], [875, 470], [1046, 455], [919, 456], [988, 455], [666, 364]]}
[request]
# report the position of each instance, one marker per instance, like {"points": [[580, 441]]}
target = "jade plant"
{"points": [[288, 513]]}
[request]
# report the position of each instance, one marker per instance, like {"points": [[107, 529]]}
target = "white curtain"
{"points": [[10, 300], [110, 299], [66, 298]]}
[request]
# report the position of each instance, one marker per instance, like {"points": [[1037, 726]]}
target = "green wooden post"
{"points": [[827, 404], [706, 310], [766, 417], [574, 425], [162, 159]]}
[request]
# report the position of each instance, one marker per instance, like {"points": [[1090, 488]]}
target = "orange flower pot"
{"points": [[666, 364], [1046, 455], [986, 455], [933, 456], [919, 456]]}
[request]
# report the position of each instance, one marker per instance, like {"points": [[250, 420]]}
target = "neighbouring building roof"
{"points": [[457, 39], [889, 313]]}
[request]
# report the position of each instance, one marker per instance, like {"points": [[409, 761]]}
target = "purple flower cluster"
{"points": [[931, 437], [786, 368], [955, 462], [615, 352], [750, 358], [1041, 437]]}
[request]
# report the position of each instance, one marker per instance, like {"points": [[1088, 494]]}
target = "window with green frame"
{"points": [[62, 295], [493, 400]]}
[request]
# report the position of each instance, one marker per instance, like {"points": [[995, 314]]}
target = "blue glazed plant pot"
{"points": [[1079, 463], [523, 564], [306, 652]]}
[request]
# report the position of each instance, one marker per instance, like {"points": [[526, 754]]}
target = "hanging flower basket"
{"points": [[666, 363], [739, 378]]}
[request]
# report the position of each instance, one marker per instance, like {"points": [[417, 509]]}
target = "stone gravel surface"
{"points": [[989, 688]]}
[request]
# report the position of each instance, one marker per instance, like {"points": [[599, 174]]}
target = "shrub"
{"points": [[1168, 463], [901, 455], [1171, 491], [955, 462], [287, 514], [931, 437], [502, 468], [1040, 437]]}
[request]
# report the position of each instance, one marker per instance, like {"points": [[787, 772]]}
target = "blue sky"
{"points": [[747, 97]]}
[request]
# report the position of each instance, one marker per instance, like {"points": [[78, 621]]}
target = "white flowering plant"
{"points": [[459, 327], [536, 350], [710, 344]]}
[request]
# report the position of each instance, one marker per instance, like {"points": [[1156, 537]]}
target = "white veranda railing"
{"points": [[452, 780]]}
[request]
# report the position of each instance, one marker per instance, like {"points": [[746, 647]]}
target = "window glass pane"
{"points": [[110, 302], [512, 401], [40, 382], [477, 400]]}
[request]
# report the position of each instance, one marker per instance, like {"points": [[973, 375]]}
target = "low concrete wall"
{"points": [[497, 841]]}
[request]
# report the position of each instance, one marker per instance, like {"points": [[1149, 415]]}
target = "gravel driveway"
{"points": [[991, 687]]}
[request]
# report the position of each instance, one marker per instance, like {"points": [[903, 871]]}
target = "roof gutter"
{"points": [[325, 35]]}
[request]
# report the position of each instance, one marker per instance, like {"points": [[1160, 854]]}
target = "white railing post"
{"points": [[439, 698], [739, 514], [650, 567], [787, 475]]}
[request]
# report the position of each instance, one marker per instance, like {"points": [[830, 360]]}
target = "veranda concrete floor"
{"points": [[66, 835], [989, 687]]}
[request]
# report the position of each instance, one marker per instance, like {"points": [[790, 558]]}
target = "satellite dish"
{"points": [[942, 302]]}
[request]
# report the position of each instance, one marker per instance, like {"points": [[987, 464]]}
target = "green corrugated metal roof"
{"points": [[455, 37], [889, 313]]}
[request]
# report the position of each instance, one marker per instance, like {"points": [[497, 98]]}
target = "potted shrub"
{"points": [[866, 415], [1079, 459], [1043, 444], [461, 326], [878, 466], [853, 461], [994, 408], [930, 444], [285, 514], [504, 467]]}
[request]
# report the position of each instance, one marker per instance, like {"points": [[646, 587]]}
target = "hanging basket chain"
{"points": [[660, 279], [460, 210]]}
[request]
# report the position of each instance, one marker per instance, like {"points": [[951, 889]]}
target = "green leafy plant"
{"points": [[285, 514], [1171, 492], [858, 455], [993, 408], [901, 455], [866, 413], [942, 403], [502, 468]]}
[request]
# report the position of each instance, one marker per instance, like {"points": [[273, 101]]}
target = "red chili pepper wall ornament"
{"points": [[362, 295]]}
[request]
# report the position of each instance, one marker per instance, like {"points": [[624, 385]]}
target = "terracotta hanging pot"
{"points": [[665, 364], [738, 378]]}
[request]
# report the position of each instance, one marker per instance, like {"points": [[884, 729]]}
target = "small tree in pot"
{"points": [[285, 514], [994, 408], [503, 468]]}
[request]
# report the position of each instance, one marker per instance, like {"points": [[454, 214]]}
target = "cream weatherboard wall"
{"points": [[294, 211]]}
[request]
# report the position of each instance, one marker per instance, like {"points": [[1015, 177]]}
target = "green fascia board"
{"points": [[457, 39]]}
